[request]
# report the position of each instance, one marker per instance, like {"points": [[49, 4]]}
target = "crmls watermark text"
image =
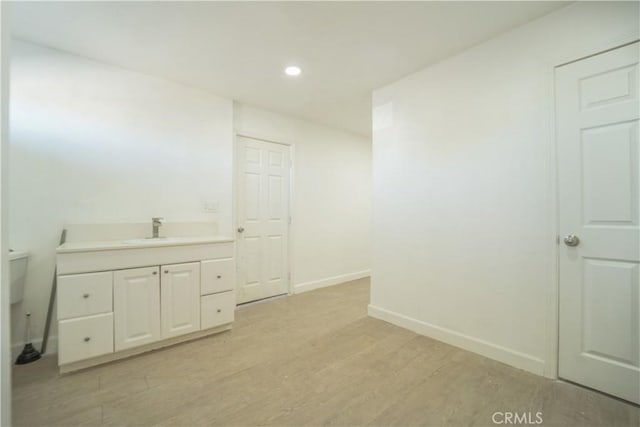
{"points": [[507, 417]]}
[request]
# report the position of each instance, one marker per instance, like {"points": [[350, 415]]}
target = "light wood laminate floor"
{"points": [[310, 359]]}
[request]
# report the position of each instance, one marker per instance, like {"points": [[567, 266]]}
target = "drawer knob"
{"points": [[85, 296], [87, 339], [219, 276], [219, 310]]}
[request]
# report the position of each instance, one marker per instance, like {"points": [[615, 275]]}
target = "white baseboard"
{"points": [[475, 345], [52, 347], [329, 281]]}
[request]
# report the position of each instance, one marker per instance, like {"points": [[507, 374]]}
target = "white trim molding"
{"points": [[465, 342], [5, 306], [330, 281]]}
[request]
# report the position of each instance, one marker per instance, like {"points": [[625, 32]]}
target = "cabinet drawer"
{"points": [[217, 275], [217, 309], [85, 337], [85, 294]]}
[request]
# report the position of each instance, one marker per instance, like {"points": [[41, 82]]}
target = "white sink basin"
{"points": [[149, 240], [163, 241]]}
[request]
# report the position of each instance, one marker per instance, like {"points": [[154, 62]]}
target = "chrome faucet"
{"points": [[156, 223]]}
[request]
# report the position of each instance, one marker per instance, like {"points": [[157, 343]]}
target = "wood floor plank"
{"points": [[310, 359]]}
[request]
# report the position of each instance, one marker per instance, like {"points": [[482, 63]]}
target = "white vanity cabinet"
{"points": [[85, 316], [116, 301], [180, 299], [84, 294], [154, 303], [136, 307], [218, 282], [218, 275], [218, 309], [85, 337]]}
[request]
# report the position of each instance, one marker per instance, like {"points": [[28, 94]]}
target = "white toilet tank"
{"points": [[18, 271]]}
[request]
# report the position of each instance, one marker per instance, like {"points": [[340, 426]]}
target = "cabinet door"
{"points": [[180, 299], [136, 307]]}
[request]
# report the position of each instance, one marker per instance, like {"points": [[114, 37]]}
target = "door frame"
{"points": [[291, 147], [552, 350]]}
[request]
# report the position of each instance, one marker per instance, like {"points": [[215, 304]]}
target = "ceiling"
{"points": [[239, 49]]}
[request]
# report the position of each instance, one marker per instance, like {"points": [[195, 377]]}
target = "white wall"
{"points": [[332, 196], [5, 354], [463, 188], [91, 143]]}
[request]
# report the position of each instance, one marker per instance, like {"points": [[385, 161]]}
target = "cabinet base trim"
{"points": [[88, 363]]}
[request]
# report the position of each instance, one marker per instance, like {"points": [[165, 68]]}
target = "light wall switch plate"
{"points": [[210, 206]]}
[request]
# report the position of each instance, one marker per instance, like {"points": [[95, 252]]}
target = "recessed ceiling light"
{"points": [[292, 71]]}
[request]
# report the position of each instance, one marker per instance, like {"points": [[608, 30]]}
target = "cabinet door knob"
{"points": [[85, 296], [87, 339], [219, 310], [219, 276], [166, 271], [154, 273]]}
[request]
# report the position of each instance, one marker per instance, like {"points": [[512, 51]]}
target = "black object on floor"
{"points": [[29, 354]]}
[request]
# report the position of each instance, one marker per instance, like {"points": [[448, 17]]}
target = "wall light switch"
{"points": [[210, 206]]}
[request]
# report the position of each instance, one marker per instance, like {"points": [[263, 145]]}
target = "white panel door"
{"points": [[136, 307], [263, 219], [180, 299], [597, 109]]}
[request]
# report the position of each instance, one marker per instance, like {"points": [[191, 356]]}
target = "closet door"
{"points": [[598, 113], [264, 170]]}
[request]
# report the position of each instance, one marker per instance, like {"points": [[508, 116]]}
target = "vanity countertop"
{"points": [[139, 243]]}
